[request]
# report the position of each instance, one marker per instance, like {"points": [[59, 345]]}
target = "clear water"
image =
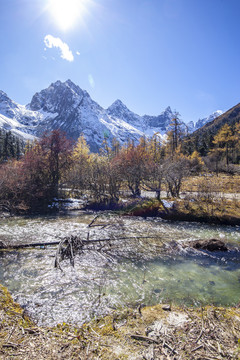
{"points": [[96, 285]]}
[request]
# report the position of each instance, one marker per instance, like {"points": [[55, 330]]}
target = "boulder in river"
{"points": [[208, 244]]}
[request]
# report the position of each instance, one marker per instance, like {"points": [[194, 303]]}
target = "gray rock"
{"points": [[208, 244]]}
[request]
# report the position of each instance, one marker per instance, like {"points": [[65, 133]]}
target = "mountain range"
{"points": [[65, 106]]}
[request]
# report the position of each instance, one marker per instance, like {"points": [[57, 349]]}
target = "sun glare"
{"points": [[66, 12]]}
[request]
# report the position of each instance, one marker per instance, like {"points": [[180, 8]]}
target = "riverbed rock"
{"points": [[2, 245], [208, 244]]}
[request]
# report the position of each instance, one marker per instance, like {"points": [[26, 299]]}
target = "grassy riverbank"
{"points": [[150, 332], [213, 211]]}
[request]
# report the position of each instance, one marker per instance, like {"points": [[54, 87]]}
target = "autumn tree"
{"points": [[56, 149], [103, 179], [155, 148], [196, 163], [81, 160], [13, 186], [131, 162], [35, 178], [175, 170], [115, 146], [153, 165], [236, 148], [174, 135], [224, 141], [153, 177]]}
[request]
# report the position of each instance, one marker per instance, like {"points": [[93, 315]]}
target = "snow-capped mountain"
{"points": [[120, 111], [160, 122], [201, 122], [72, 110], [65, 106], [146, 124], [14, 117]]}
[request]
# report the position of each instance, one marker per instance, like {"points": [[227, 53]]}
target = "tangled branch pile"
{"points": [[107, 243]]}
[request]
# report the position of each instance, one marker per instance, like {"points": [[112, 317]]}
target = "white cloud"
{"points": [[78, 53], [91, 80], [51, 41]]}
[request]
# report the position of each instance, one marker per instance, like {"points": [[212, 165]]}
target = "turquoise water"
{"points": [[97, 284]]}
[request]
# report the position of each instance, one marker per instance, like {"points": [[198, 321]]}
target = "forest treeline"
{"points": [[11, 146], [31, 179]]}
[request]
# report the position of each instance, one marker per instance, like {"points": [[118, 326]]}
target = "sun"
{"points": [[66, 13]]}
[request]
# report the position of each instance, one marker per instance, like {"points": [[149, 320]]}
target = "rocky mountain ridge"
{"points": [[201, 122], [65, 106]]}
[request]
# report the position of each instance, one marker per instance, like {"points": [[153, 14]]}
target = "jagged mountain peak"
{"points": [[217, 113], [120, 111], [66, 86], [3, 95], [68, 83], [118, 108], [160, 121], [168, 110], [7, 106], [5, 99], [65, 106], [201, 122], [57, 97], [72, 86]]}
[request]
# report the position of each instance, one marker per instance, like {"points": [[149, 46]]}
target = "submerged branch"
{"points": [[54, 243]]}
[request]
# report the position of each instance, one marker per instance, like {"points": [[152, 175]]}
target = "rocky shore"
{"points": [[156, 332]]}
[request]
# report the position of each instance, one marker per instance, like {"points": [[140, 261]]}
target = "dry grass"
{"points": [[150, 333], [218, 208], [223, 183]]}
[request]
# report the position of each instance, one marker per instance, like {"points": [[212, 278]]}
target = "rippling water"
{"points": [[96, 284]]}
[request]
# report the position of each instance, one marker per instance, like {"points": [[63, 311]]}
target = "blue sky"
{"points": [[148, 53]]}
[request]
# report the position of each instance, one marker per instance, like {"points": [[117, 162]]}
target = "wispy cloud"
{"points": [[78, 53], [51, 41], [91, 80]]}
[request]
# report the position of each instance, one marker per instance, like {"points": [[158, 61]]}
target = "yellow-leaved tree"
{"points": [[224, 141], [81, 156]]}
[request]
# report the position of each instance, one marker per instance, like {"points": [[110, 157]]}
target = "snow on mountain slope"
{"points": [[65, 106], [13, 125], [160, 122], [201, 122], [18, 118], [76, 113], [120, 111]]}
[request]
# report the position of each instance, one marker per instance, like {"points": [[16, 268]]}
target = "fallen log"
{"points": [[54, 243], [22, 246]]}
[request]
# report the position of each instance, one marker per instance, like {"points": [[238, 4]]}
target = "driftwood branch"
{"points": [[91, 224], [54, 243], [144, 338]]}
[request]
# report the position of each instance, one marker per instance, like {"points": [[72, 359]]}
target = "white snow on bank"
{"points": [[168, 204]]}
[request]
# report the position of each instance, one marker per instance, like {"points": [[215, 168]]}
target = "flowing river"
{"points": [[141, 273]]}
